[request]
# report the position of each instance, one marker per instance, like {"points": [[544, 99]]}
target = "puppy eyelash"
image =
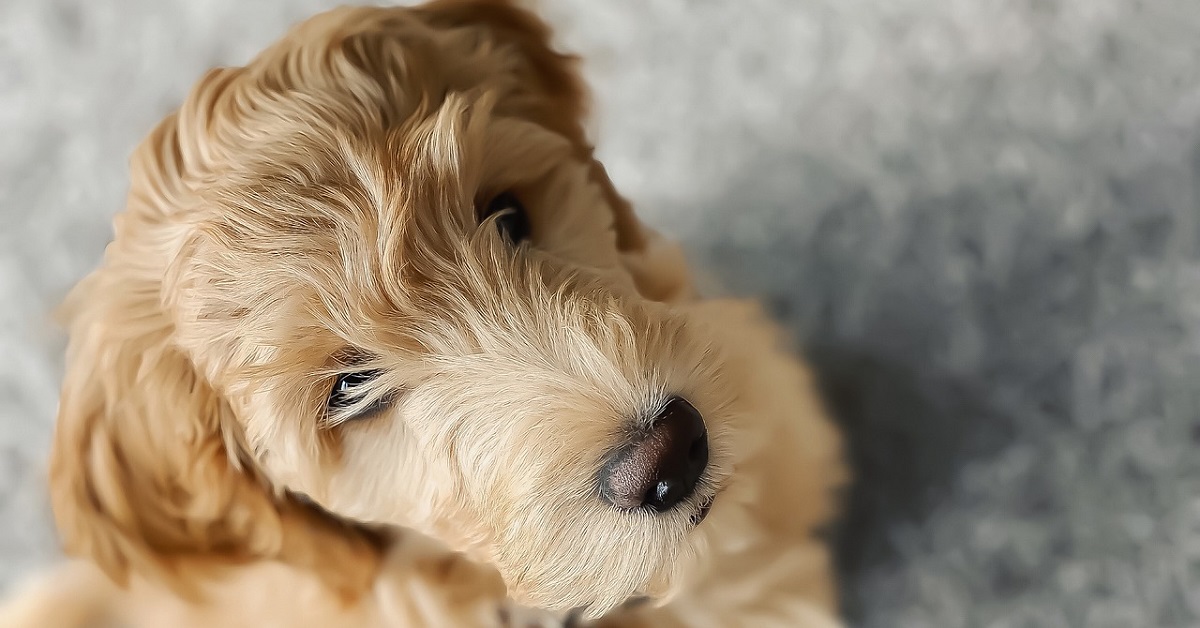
{"points": [[511, 217], [348, 401], [343, 393]]}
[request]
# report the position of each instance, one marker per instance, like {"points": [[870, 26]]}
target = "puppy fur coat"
{"points": [[319, 211]]}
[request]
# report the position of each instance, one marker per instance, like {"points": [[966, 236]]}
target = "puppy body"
{"points": [[321, 211]]}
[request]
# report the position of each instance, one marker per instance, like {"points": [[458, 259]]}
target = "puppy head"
{"points": [[379, 268]]}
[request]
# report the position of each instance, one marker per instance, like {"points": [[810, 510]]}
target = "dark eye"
{"points": [[345, 393], [512, 219]]}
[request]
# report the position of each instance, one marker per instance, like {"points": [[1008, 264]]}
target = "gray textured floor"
{"points": [[983, 217]]}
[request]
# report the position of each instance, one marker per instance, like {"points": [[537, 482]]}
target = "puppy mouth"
{"points": [[702, 510]]}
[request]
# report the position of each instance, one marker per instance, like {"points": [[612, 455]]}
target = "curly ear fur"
{"points": [[557, 99], [148, 474]]}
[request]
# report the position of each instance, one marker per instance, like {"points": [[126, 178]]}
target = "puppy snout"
{"points": [[660, 469]]}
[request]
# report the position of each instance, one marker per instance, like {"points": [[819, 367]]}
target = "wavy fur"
{"points": [[319, 207]]}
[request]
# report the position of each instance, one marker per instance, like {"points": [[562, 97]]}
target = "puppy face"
{"points": [[379, 268], [401, 356]]}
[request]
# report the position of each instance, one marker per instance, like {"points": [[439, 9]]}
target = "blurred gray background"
{"points": [[981, 217]]}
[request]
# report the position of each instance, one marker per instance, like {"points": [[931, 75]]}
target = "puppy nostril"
{"points": [[665, 494], [661, 469], [660, 493]]}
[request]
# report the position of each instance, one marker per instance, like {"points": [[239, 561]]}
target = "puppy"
{"points": [[378, 344]]}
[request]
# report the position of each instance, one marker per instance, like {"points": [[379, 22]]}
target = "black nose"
{"points": [[661, 468]]}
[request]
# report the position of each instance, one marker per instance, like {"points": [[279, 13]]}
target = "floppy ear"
{"points": [[149, 475], [552, 93]]}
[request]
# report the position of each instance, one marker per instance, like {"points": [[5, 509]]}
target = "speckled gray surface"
{"points": [[983, 218]]}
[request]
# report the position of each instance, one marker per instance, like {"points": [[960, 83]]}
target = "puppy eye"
{"points": [[512, 220], [345, 393]]}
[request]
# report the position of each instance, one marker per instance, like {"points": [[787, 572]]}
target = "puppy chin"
{"points": [[694, 558]]}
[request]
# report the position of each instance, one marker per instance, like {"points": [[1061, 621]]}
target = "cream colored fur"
{"points": [[319, 207]]}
